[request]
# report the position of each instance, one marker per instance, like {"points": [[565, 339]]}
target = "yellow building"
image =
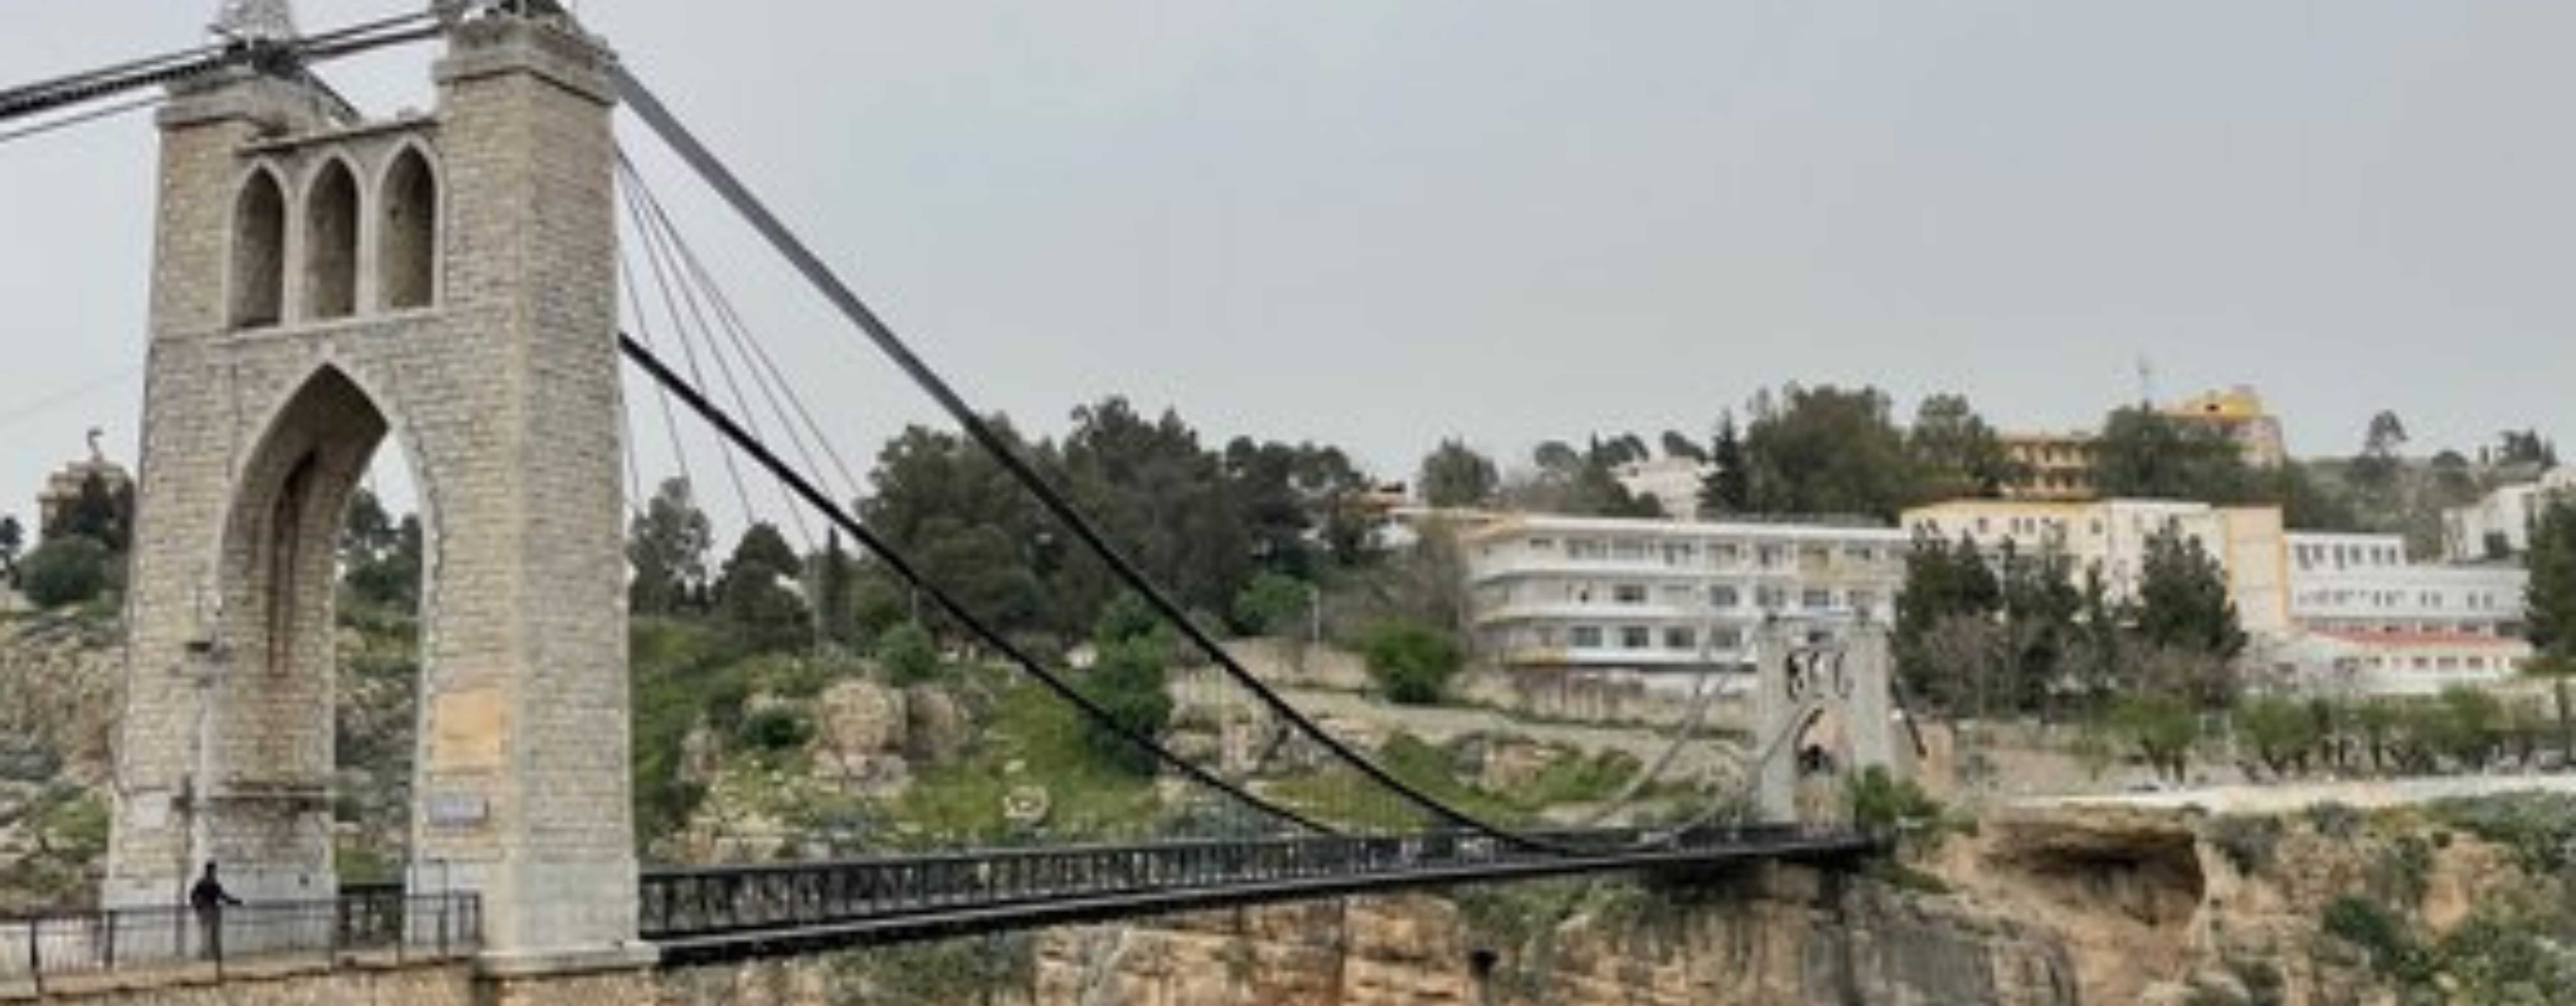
{"points": [[2111, 536], [2059, 466]]}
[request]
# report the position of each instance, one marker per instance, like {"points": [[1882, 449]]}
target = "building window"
{"points": [[1636, 637], [1726, 639], [1722, 597], [1680, 639], [1583, 548], [1628, 593], [259, 252], [1587, 637], [1816, 600], [1770, 598], [1628, 550]]}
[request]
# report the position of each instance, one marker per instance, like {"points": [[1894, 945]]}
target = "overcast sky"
{"points": [[1380, 223]]}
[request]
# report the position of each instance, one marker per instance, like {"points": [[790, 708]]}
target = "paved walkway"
{"points": [[2275, 798]]}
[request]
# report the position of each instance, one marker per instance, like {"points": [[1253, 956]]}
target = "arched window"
{"points": [[331, 244], [407, 240], [259, 253]]}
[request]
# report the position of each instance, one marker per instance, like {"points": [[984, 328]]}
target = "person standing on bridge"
{"points": [[210, 899]]}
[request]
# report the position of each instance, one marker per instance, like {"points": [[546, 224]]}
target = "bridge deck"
{"points": [[720, 914]]}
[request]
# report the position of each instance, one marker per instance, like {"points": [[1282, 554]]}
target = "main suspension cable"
{"points": [[902, 566], [780, 238]]}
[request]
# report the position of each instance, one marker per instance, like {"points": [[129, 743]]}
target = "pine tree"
{"points": [[1728, 488]]}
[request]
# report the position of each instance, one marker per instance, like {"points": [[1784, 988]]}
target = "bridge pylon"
{"points": [[321, 285], [1824, 710]]}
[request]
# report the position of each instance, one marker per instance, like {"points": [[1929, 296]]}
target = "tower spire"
{"points": [[255, 20]]}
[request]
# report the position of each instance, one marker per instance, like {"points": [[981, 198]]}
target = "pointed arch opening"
{"points": [[313, 720], [331, 243], [258, 253], [407, 235]]}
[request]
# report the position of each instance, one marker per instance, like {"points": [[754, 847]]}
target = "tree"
{"points": [[1677, 445], [1129, 681], [1955, 453], [836, 582], [1728, 488], [386, 572], [907, 655], [2282, 731], [13, 538], [1454, 475], [1412, 662], [2183, 599], [2550, 599], [1156, 495], [2144, 455], [756, 592], [968, 525], [101, 513], [1271, 604], [667, 545], [2525, 447], [66, 570], [1827, 450], [2161, 728], [1582, 483], [1946, 587]]}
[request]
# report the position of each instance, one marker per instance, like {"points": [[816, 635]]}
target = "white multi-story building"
{"points": [[1643, 595], [2363, 583], [1672, 482], [2111, 536], [2499, 526]]}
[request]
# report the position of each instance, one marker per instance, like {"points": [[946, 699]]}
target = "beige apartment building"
{"points": [[2111, 536]]}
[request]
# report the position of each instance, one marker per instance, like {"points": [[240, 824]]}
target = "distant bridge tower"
{"points": [[1824, 710], [320, 286]]}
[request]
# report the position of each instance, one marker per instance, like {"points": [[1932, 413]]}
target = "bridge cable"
{"points": [[83, 118], [828, 283], [660, 251], [740, 331], [689, 352], [696, 286], [903, 567], [670, 419], [283, 58]]}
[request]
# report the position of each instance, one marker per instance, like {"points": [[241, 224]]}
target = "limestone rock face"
{"points": [[863, 729], [1783, 937]]}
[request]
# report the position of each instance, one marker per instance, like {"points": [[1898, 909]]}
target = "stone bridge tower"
{"points": [[443, 284], [1824, 708]]}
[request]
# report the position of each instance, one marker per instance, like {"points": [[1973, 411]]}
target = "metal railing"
{"points": [[376, 923], [688, 903]]}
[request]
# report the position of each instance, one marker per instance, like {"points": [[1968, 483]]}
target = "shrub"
{"points": [[1412, 662], [908, 655], [2248, 842], [1128, 683], [775, 730], [66, 570], [1270, 604]]}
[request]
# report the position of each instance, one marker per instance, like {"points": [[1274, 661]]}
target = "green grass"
{"points": [[1570, 781], [962, 801]]}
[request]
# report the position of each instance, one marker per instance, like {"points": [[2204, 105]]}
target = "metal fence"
{"points": [[379, 924], [679, 904]]}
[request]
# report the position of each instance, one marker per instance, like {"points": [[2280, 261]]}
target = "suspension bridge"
{"points": [[473, 285]]}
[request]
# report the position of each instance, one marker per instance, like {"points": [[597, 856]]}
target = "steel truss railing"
{"points": [[708, 914]]}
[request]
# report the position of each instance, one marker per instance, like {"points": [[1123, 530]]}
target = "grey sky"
{"points": [[1379, 223]]}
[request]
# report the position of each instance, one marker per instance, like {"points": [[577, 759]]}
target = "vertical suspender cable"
{"points": [[660, 119]]}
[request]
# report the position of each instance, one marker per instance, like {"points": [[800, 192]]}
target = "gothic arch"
{"points": [[270, 748], [331, 216], [257, 296], [407, 230]]}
